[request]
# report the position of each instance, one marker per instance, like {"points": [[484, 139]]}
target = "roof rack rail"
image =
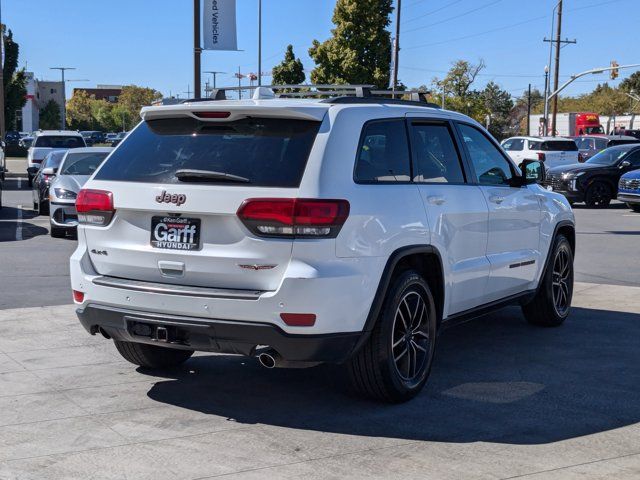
{"points": [[335, 93]]}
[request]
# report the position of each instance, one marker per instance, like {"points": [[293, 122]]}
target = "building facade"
{"points": [[39, 93]]}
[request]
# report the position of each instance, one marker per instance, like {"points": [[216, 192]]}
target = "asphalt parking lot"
{"points": [[505, 400]]}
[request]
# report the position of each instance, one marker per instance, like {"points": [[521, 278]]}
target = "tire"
{"points": [[375, 370], [634, 206], [58, 232], [599, 194], [30, 182], [43, 208], [151, 356], [552, 303]]}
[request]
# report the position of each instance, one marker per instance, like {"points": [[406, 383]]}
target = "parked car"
{"points": [[12, 137], [629, 190], [595, 182], [92, 137], [45, 175], [119, 137], [26, 142], [110, 137], [347, 230], [3, 159], [46, 141], [76, 168], [553, 151], [589, 145]]}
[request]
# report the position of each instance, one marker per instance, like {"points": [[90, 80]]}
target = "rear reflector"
{"points": [[299, 217], [212, 114], [541, 157], [95, 207], [78, 296], [299, 319]]}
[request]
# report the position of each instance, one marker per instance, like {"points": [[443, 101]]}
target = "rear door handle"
{"points": [[436, 199], [496, 199]]}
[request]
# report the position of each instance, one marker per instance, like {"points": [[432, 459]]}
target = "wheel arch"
{"points": [[425, 259], [566, 228]]}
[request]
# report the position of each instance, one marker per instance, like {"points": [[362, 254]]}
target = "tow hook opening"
{"points": [[162, 335]]}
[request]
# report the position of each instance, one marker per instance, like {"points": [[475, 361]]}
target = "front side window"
{"points": [[437, 160], [490, 166], [514, 145], [383, 155]]}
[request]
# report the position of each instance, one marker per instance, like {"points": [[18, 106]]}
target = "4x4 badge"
{"points": [[177, 198]]}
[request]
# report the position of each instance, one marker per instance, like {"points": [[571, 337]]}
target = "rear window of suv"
{"points": [[62, 141], [264, 152], [559, 146]]}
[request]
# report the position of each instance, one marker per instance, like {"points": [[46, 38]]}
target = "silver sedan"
{"points": [[76, 168]]}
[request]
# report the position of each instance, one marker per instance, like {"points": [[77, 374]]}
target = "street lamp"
{"points": [[64, 94], [546, 100]]}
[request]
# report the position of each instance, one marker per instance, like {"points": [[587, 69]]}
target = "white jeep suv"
{"points": [[347, 230]]}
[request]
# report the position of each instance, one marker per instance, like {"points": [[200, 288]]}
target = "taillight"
{"points": [[95, 207], [541, 156], [212, 114], [294, 217], [78, 296]]}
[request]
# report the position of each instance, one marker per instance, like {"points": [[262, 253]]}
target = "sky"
{"points": [[150, 42]]}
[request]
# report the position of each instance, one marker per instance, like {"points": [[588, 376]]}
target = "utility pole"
{"points": [[188, 92], [214, 73], [2, 125], [259, 42], [545, 120], [529, 111], [396, 49], [197, 50], [64, 94]]}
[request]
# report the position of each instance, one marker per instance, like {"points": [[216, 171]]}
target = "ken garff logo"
{"points": [[175, 198]]}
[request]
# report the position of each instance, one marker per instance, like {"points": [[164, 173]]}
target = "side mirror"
{"points": [[49, 171], [533, 171], [625, 164]]}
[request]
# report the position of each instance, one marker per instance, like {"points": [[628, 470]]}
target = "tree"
{"points": [[290, 71], [498, 105], [50, 117], [15, 87], [133, 98], [631, 83], [359, 51], [79, 111], [459, 78]]}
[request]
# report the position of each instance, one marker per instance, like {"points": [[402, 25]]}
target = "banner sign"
{"points": [[219, 25]]}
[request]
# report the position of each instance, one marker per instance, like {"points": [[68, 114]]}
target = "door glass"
{"points": [[490, 166], [517, 145], [437, 159], [383, 155]]}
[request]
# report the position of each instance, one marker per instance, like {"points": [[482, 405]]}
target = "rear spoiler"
{"points": [[235, 112]]}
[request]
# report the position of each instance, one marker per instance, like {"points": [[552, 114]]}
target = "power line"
{"points": [[444, 7], [468, 12]]}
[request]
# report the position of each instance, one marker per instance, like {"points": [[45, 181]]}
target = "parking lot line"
{"points": [[19, 222]]}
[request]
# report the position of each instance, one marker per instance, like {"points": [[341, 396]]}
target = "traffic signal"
{"points": [[615, 72]]}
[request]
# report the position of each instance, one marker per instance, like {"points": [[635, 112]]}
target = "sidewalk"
{"points": [[505, 400]]}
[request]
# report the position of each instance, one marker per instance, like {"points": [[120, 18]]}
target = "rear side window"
{"points": [[584, 143], [66, 141], [383, 154], [436, 156], [613, 143], [559, 146], [258, 151]]}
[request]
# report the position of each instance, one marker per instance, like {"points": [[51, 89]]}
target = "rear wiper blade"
{"points": [[186, 175]]}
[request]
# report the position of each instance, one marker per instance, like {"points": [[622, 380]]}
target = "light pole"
{"points": [[2, 125], [214, 73], [259, 43], [197, 49], [396, 49], [545, 121], [64, 94]]}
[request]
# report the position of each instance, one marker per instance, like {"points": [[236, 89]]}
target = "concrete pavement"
{"points": [[506, 400]]}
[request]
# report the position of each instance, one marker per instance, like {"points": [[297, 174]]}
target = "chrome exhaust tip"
{"points": [[267, 360]]}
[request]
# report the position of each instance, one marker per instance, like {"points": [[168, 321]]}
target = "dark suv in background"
{"points": [[595, 182], [589, 145]]}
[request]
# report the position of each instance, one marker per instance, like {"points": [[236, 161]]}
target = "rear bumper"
{"points": [[206, 334], [629, 197]]}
